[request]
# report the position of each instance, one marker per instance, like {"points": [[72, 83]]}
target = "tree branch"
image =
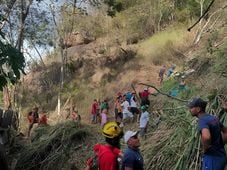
{"points": [[208, 8], [7, 15], [33, 44], [175, 98], [206, 24]]}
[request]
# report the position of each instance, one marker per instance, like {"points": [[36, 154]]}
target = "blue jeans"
{"points": [[213, 162], [94, 118]]}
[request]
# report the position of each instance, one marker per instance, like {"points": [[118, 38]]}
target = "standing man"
{"points": [[133, 107], [33, 117], [108, 153], [213, 135], [94, 111], [104, 105], [118, 110], [144, 96], [144, 120], [132, 159], [161, 74], [126, 107]]}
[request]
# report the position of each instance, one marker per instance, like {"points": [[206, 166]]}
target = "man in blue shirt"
{"points": [[132, 159], [213, 135]]}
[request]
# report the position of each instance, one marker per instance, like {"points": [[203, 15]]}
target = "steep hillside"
{"points": [[175, 143], [109, 62]]}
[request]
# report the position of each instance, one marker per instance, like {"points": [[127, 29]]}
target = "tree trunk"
{"points": [[41, 59], [159, 21], [59, 104], [24, 14]]}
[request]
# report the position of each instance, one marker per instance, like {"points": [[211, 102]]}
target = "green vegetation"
{"points": [[164, 46], [12, 62], [179, 146], [126, 37], [63, 146]]}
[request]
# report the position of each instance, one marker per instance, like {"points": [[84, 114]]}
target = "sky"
{"points": [[45, 5]]}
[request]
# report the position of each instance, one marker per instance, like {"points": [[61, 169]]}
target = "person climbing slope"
{"points": [[144, 120], [94, 111], [144, 96], [161, 74]]}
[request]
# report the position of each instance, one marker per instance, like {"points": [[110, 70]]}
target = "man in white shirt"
{"points": [[144, 119], [134, 108], [126, 107]]}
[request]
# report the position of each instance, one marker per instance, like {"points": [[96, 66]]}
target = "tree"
{"points": [[12, 63]]}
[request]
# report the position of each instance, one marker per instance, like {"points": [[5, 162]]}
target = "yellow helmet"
{"points": [[111, 130]]}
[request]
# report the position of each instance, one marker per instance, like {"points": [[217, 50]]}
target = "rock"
{"points": [[76, 39]]}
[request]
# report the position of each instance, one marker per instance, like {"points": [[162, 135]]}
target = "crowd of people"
{"points": [[35, 118], [127, 109], [41, 119], [111, 157]]}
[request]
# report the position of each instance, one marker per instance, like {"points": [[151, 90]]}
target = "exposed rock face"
{"points": [[75, 39], [83, 61]]}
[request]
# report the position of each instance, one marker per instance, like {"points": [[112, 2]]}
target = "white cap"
{"points": [[128, 135]]}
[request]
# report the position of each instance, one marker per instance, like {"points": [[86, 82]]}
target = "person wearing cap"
{"points": [[132, 159], [144, 96], [108, 153], [144, 120], [213, 136]]}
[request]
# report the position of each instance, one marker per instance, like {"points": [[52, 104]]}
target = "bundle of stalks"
{"points": [[64, 146], [181, 147]]}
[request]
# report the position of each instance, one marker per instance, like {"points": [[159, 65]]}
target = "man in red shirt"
{"points": [[144, 96], [43, 119], [108, 153], [94, 111]]}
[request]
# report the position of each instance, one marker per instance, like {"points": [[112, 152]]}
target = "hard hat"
{"points": [[111, 130]]}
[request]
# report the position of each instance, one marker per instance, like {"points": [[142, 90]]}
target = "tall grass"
{"points": [[163, 45]]}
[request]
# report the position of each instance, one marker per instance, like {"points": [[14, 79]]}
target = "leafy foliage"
{"points": [[12, 62]]}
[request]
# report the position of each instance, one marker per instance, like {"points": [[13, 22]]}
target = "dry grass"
{"points": [[59, 147], [163, 46]]}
